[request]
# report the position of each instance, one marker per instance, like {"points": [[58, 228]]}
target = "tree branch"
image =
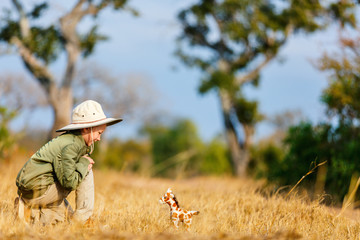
{"points": [[34, 65], [68, 25], [254, 73], [222, 42], [24, 22]]}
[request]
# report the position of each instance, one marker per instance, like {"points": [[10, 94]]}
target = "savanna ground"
{"points": [[127, 207]]}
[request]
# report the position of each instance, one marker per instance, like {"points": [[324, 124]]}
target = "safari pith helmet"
{"points": [[88, 114]]}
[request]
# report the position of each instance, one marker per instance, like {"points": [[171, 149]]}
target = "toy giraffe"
{"points": [[176, 213]]}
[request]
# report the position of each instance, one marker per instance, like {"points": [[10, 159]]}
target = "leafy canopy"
{"points": [[241, 33], [47, 42]]}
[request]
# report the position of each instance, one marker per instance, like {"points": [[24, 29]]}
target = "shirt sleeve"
{"points": [[69, 170]]}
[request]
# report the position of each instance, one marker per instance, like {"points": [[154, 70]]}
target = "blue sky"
{"points": [[146, 44]]}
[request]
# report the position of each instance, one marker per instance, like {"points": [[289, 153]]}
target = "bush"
{"points": [[266, 162], [307, 145], [216, 159], [7, 138], [128, 156]]}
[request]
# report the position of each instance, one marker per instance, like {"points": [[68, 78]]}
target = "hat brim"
{"points": [[76, 126]]}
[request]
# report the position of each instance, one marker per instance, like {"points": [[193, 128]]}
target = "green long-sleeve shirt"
{"points": [[58, 160]]}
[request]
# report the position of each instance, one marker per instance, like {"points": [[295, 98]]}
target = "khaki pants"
{"points": [[52, 206]]}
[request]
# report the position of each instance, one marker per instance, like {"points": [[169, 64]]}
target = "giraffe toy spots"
{"points": [[176, 213]]}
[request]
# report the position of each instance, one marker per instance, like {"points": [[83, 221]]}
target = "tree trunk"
{"points": [[245, 153], [238, 155], [61, 101]]}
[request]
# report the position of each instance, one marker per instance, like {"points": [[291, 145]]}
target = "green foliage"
{"points": [[248, 29], [47, 42], [173, 150], [221, 79], [177, 150], [38, 10], [307, 145], [300, 11], [339, 146], [235, 39], [89, 41], [266, 162], [241, 32], [244, 28], [7, 138], [118, 3], [215, 159], [337, 142], [342, 94], [345, 158], [128, 156], [247, 111], [11, 29], [176, 145], [340, 10]]}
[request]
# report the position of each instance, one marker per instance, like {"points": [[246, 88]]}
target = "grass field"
{"points": [[127, 207]]}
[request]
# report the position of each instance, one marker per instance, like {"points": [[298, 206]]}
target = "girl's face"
{"points": [[95, 132]]}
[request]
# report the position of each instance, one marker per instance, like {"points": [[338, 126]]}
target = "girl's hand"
{"points": [[91, 161]]}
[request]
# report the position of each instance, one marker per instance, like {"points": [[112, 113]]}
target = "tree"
{"points": [[336, 141], [235, 40], [40, 45], [343, 93], [342, 100]]}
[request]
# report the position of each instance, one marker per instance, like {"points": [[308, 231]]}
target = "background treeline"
{"points": [[174, 150]]}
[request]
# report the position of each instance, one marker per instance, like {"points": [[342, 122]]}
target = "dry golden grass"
{"points": [[127, 207]]}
